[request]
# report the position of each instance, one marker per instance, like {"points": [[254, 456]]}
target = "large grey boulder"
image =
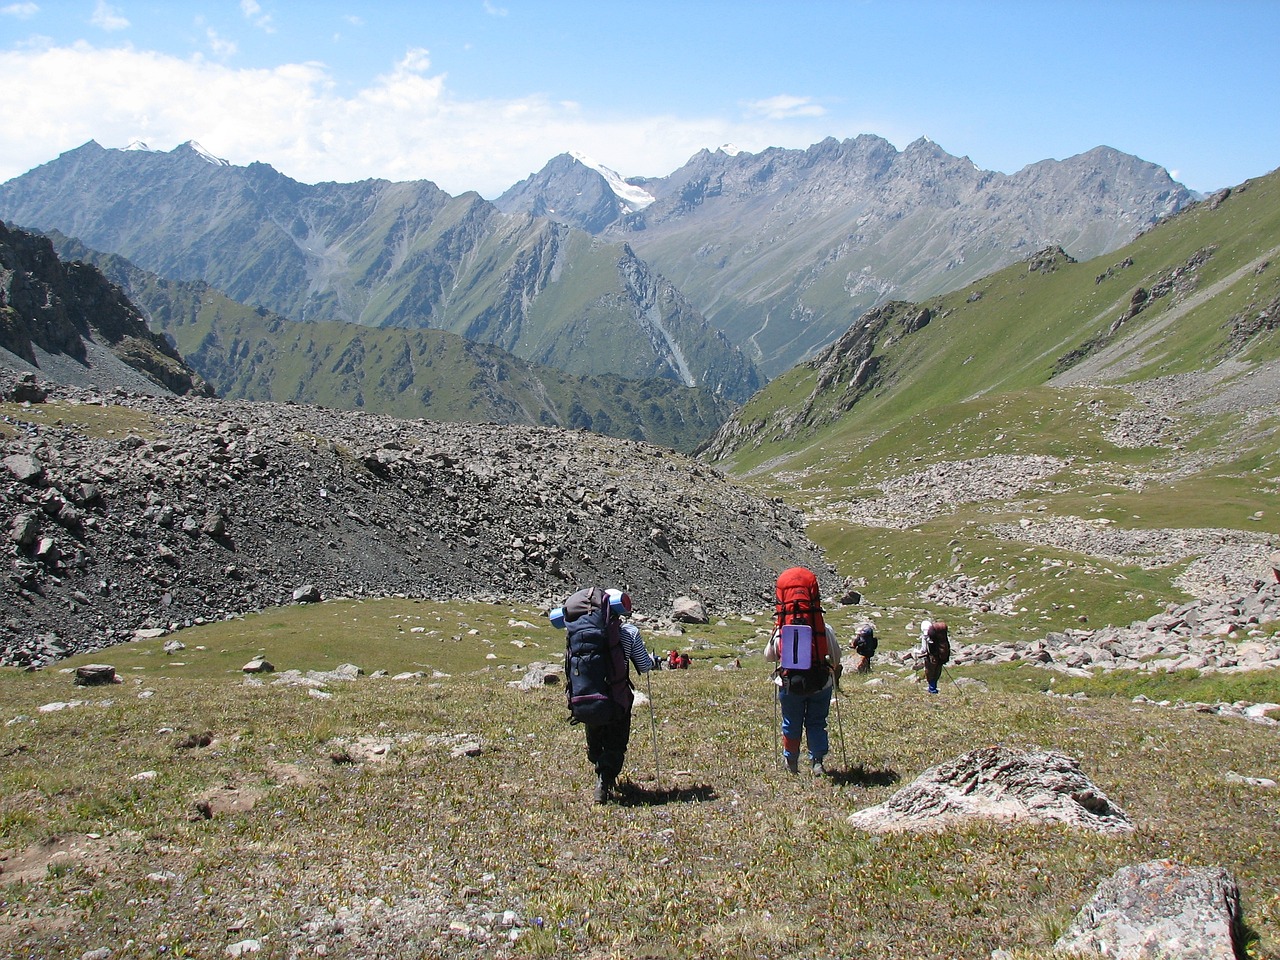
{"points": [[997, 783], [25, 469], [95, 674], [688, 610], [1159, 909], [540, 674]]}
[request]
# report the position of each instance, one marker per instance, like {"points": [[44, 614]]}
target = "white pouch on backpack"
{"points": [[795, 646]]}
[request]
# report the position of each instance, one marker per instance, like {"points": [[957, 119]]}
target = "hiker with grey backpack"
{"points": [[598, 648], [864, 645]]}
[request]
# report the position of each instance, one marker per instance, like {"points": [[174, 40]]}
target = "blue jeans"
{"points": [[807, 712]]}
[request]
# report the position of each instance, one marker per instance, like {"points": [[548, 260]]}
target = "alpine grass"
{"points": [[188, 809]]}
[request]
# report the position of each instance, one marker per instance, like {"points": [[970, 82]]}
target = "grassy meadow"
{"points": [[712, 851]]}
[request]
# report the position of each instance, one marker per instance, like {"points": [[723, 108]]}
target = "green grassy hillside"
{"points": [[1140, 388]]}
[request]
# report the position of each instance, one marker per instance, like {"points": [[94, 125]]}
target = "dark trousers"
{"points": [[607, 747]]}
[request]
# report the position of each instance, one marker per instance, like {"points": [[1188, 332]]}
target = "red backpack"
{"points": [[798, 602]]}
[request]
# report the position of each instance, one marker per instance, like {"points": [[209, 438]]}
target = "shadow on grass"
{"points": [[630, 795], [860, 776]]}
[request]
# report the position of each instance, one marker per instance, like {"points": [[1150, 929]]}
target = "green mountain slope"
{"points": [[252, 354], [1121, 413]]}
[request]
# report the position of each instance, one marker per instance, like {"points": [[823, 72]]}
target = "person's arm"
{"points": [[833, 648], [771, 648], [633, 646]]}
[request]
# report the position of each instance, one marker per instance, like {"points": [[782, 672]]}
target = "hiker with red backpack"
{"points": [[935, 648], [804, 647], [598, 648]]}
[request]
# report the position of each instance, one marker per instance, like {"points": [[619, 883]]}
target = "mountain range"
{"points": [[1059, 444], [783, 249], [381, 254], [731, 269]]}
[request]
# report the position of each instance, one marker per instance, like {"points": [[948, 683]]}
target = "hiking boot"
{"points": [[603, 789], [793, 764], [933, 688], [818, 769]]}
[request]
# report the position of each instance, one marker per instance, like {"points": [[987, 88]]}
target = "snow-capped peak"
{"points": [[138, 145], [206, 155], [730, 149], [632, 197]]}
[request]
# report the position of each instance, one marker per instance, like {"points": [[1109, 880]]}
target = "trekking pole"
{"points": [[963, 696], [777, 734], [653, 726], [844, 753]]}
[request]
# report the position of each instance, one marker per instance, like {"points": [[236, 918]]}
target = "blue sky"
{"points": [[478, 94]]}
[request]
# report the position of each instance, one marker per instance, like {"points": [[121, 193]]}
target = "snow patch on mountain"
{"points": [[139, 146], [206, 155], [632, 197]]}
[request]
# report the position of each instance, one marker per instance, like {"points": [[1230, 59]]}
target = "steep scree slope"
{"points": [[124, 512]]}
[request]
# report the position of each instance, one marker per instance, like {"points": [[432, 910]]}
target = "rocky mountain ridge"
{"points": [[125, 512], [50, 309], [253, 354]]}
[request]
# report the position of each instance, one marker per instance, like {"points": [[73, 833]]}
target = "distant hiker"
{"points": [[935, 647], [598, 646], [685, 660], [673, 660], [804, 647], [864, 645]]}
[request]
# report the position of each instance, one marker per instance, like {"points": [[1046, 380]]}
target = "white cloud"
{"points": [[404, 125], [221, 48], [783, 107], [416, 60], [23, 11], [252, 11], [493, 10], [108, 17]]}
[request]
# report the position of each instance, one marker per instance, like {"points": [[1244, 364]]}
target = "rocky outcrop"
{"points": [[48, 307], [208, 509], [997, 783], [1159, 909]]}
